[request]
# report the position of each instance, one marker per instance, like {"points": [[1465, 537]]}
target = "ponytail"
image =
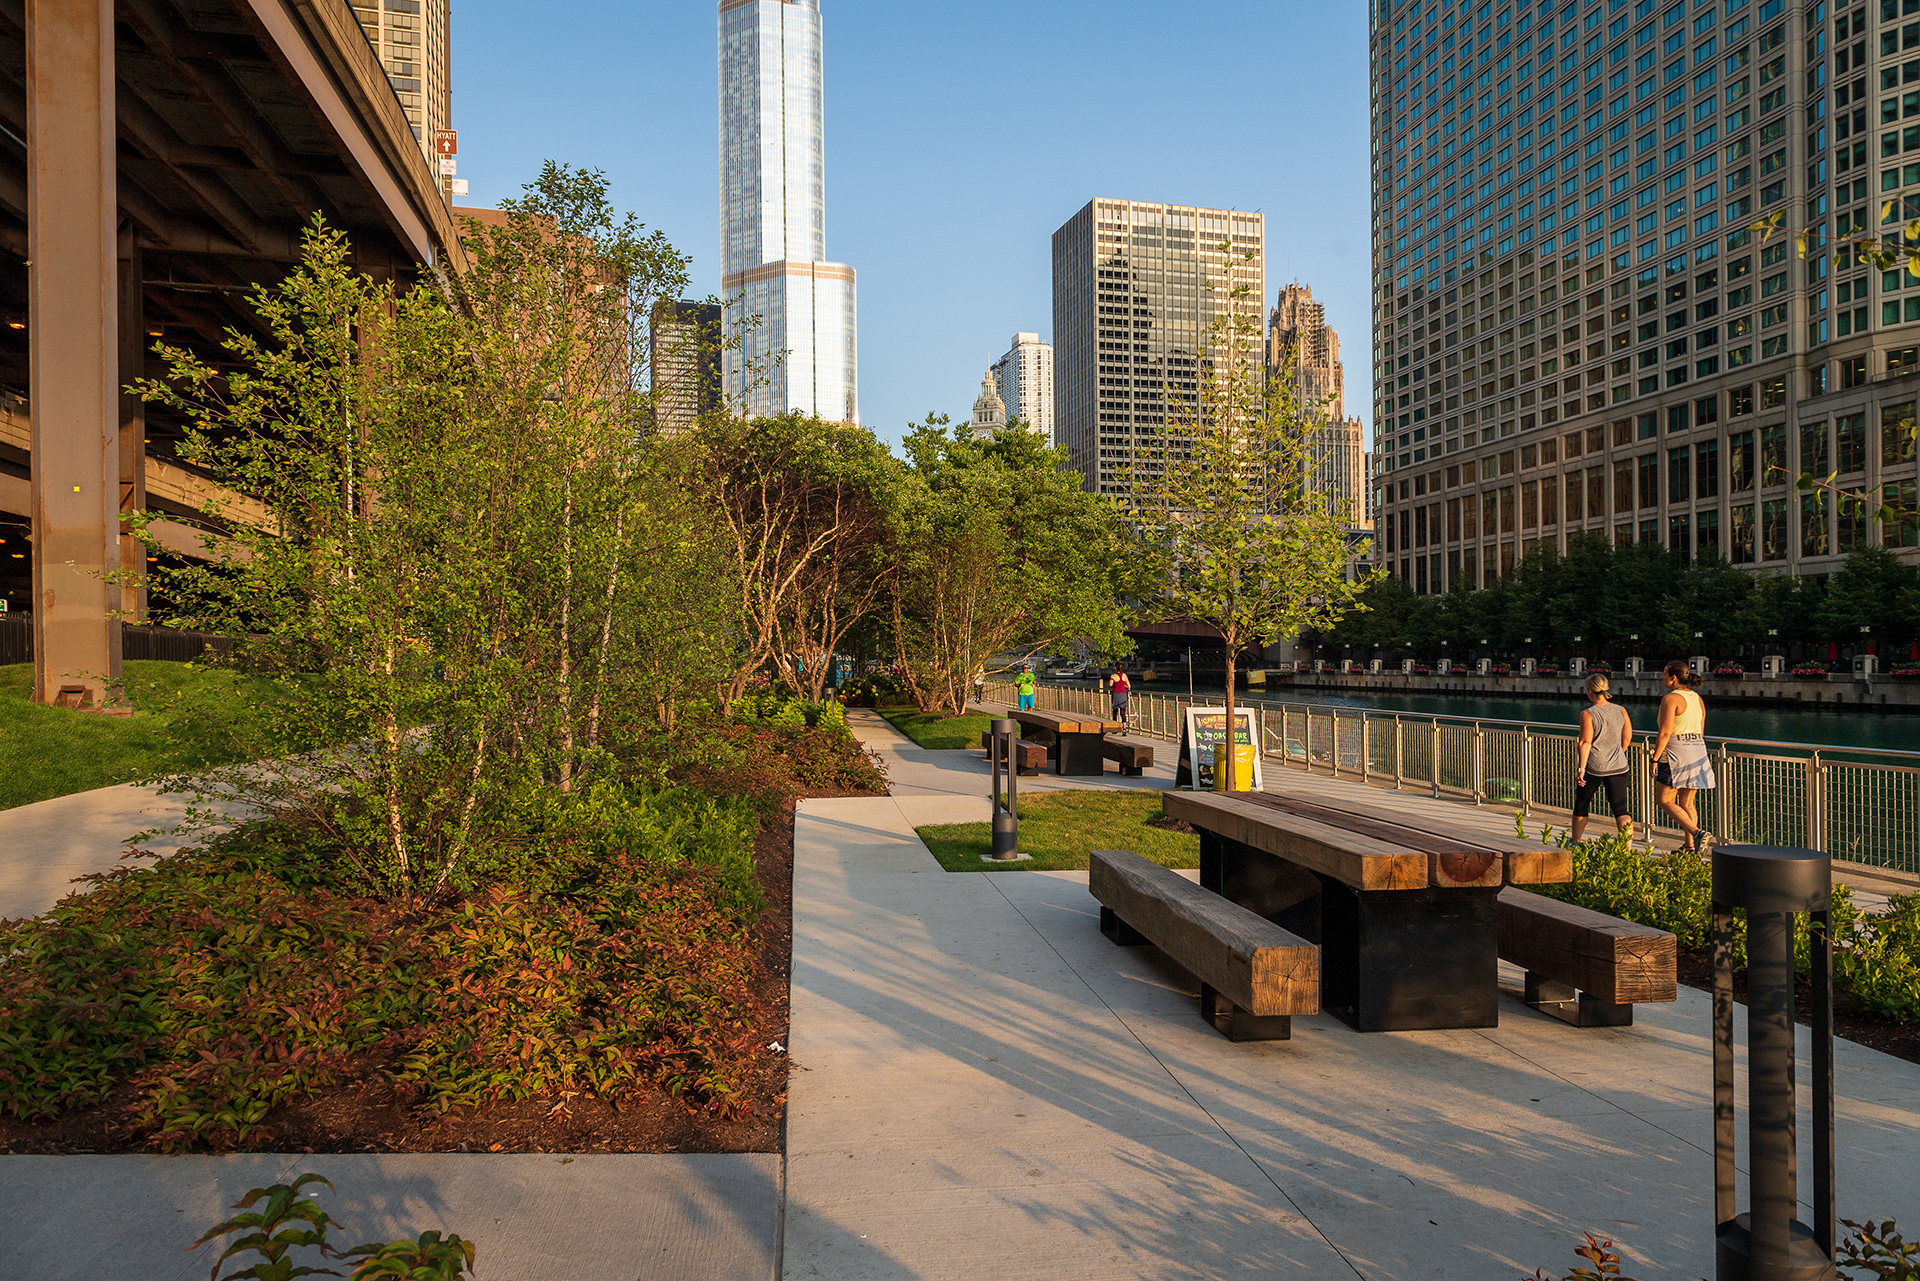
{"points": [[1684, 673]]}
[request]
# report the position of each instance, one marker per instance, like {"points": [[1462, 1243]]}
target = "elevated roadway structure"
{"points": [[159, 158]]}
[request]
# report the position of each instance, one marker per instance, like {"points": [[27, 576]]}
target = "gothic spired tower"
{"points": [[793, 310]]}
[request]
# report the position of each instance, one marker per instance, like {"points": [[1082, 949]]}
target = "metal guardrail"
{"points": [[1851, 803], [136, 643]]}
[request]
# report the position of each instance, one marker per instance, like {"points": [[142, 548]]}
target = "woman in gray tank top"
{"points": [[1605, 735]]}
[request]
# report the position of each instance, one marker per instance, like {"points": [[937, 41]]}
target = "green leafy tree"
{"points": [[1707, 608], [1875, 590], [999, 550], [1221, 511], [801, 510], [451, 493]]}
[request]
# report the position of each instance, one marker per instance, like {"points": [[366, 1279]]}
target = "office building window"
{"points": [[1740, 462], [1903, 496], [1678, 478], [1813, 524], [1773, 455], [1814, 453], [1773, 529], [1707, 469], [1896, 434], [1740, 548]]}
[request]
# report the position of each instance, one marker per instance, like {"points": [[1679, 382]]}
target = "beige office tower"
{"points": [[1299, 338], [1024, 379], [1577, 331], [1298, 335], [1136, 286], [411, 37], [989, 411]]}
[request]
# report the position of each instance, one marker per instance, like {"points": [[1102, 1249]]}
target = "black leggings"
{"points": [[1616, 785]]}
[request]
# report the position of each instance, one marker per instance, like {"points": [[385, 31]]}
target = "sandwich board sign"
{"points": [[1206, 728]]}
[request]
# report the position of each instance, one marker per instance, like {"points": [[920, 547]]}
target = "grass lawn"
{"points": [[52, 751], [936, 731], [1061, 829]]}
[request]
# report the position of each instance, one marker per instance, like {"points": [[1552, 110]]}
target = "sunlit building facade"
{"points": [[1576, 329], [1024, 379], [1136, 286], [793, 313], [1302, 345], [413, 40]]}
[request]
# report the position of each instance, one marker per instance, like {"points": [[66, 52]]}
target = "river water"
{"points": [[1885, 731]]}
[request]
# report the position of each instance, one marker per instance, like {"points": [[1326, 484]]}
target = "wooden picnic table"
{"points": [[1076, 739], [1406, 918]]}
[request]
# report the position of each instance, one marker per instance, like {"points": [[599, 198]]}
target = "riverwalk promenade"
{"points": [[982, 1085]]}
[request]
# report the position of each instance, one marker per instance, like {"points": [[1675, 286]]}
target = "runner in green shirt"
{"points": [[1024, 684]]}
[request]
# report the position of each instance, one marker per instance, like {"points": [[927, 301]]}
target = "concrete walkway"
{"points": [[46, 845], [983, 1086], [534, 1218]]}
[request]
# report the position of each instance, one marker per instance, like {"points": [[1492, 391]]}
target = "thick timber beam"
{"points": [[73, 312]]}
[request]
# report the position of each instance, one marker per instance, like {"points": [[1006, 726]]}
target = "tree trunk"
{"points": [[1232, 739], [566, 635]]}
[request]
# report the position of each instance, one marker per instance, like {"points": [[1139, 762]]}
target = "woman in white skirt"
{"points": [[1681, 766]]}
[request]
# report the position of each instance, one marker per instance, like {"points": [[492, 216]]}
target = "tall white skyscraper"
{"points": [[802, 351], [1024, 379]]}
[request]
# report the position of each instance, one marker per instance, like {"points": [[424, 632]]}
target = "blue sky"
{"points": [[958, 137]]}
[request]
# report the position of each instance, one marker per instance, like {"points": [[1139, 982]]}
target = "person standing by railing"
{"points": [[1605, 736], [1681, 766]]}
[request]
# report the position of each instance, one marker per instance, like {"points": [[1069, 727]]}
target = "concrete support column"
{"points": [[133, 429], [73, 315]]}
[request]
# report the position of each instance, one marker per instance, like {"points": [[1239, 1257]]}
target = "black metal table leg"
{"points": [[1390, 960], [1079, 754]]}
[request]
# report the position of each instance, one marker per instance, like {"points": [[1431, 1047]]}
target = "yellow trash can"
{"points": [[1242, 767]]}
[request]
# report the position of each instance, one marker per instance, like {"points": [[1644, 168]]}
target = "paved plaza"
{"points": [[984, 1086]]}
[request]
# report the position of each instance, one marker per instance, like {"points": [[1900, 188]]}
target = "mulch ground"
{"points": [[1901, 1040], [370, 1119]]}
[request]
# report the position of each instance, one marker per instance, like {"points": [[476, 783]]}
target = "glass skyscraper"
{"points": [[793, 311], [1575, 330]]}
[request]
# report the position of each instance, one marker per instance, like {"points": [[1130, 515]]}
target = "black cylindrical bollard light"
{"points": [[1772, 885], [1005, 816]]}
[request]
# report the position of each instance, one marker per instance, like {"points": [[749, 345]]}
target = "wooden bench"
{"points": [[1029, 757], [1254, 976], [1584, 967], [1406, 919], [1132, 756], [1075, 739]]}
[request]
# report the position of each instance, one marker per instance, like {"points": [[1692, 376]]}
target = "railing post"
{"points": [[1479, 762], [1816, 804], [1526, 770], [1723, 796], [1366, 749], [1396, 751], [1433, 759], [1333, 746]]}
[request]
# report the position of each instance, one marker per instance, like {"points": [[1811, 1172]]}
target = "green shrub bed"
{"points": [[1876, 956], [603, 943]]}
